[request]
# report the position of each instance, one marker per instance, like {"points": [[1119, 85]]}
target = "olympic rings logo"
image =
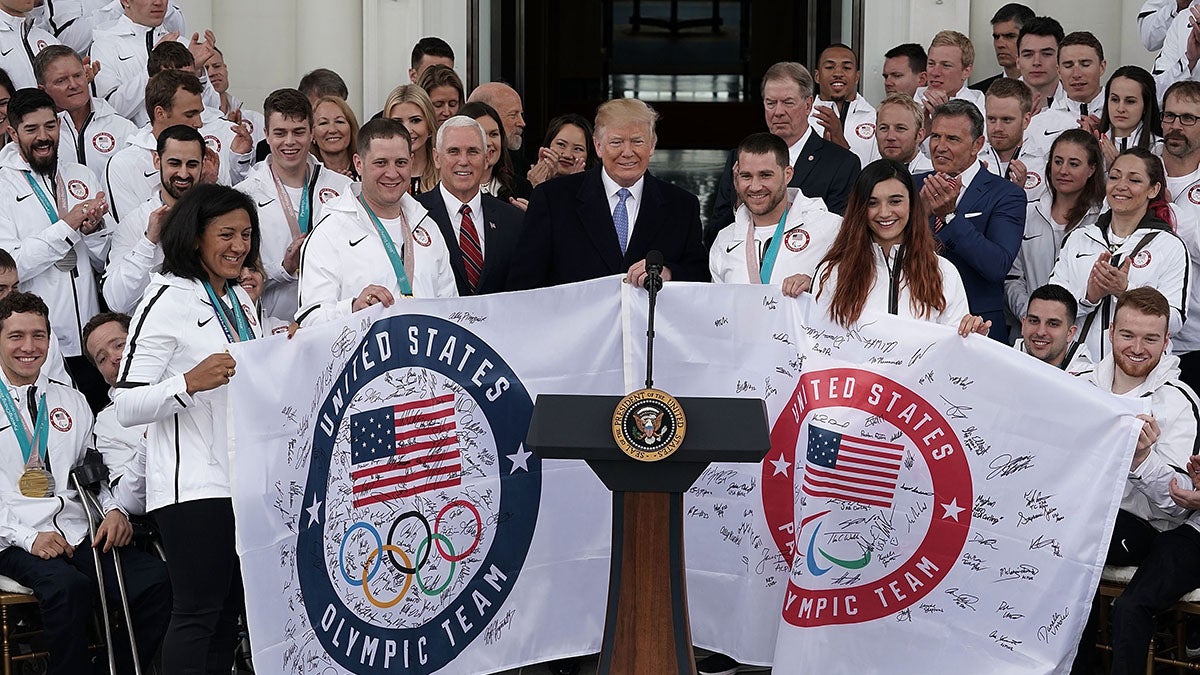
{"points": [[434, 539]]}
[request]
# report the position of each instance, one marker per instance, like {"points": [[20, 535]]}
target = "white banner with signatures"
{"points": [[389, 519], [927, 498]]}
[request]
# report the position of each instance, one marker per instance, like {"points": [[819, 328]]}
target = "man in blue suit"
{"points": [[604, 221], [481, 231], [978, 217]]}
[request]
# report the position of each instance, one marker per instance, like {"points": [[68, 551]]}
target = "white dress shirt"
{"points": [[632, 203], [454, 208]]}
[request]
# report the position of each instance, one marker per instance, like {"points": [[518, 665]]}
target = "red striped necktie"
{"points": [[468, 241]]}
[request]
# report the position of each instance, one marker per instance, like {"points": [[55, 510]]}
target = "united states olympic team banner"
{"points": [[944, 501]]}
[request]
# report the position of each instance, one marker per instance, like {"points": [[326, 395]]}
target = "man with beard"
{"points": [[135, 251], [53, 225], [507, 103], [90, 125], [899, 130], [1009, 152], [778, 235], [1157, 526], [1048, 329], [1181, 159]]}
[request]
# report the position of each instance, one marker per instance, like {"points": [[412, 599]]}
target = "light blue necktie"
{"points": [[621, 219]]}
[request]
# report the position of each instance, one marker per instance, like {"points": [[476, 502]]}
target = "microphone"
{"points": [[654, 267]]}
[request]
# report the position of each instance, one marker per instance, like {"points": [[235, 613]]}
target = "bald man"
{"points": [[507, 103]]}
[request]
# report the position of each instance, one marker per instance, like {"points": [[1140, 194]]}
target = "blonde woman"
{"points": [[410, 104], [335, 135]]}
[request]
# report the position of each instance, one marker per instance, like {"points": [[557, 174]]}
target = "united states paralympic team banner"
{"points": [[945, 501]]}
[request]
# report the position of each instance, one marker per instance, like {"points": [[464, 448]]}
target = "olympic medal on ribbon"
{"points": [[36, 483], [649, 425]]}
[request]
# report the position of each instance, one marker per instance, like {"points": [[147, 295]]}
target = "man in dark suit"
{"points": [[1006, 26], [787, 93], [978, 216], [480, 230], [604, 221]]}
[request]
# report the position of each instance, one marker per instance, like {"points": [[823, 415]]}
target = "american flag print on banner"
{"points": [[860, 470], [404, 450]]}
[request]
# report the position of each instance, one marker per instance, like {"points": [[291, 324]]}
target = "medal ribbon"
{"points": [[761, 274], [49, 206], [33, 447], [299, 224], [243, 326], [389, 246]]}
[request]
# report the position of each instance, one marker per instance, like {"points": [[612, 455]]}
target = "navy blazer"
{"points": [[982, 241], [823, 170], [569, 233], [500, 228]]}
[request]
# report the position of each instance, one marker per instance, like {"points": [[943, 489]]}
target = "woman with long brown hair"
{"points": [[878, 261]]}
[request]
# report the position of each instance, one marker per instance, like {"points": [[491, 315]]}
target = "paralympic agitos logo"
{"points": [[421, 500], [885, 494]]}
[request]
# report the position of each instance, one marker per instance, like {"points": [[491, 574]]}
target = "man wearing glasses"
{"points": [[1181, 159]]}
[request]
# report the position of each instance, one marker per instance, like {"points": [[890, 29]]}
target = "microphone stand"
{"points": [[653, 283]]}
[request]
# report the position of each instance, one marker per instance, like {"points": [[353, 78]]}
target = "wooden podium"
{"points": [[646, 629]]}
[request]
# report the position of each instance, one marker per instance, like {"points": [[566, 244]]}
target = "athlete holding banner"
{"points": [[378, 246], [172, 377]]}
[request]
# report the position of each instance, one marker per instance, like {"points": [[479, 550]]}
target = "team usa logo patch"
{"points": [[1032, 180], [325, 194], [796, 239], [886, 494], [77, 188], [251, 315], [865, 130], [421, 500], [104, 142], [1194, 194], [61, 419], [213, 142], [421, 236], [1141, 260], [41, 44]]}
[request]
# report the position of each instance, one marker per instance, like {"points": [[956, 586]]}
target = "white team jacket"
{"points": [[173, 329], [20, 42], [37, 244], [1186, 207], [1147, 491], [123, 52], [74, 21], [343, 255], [858, 128], [104, 133], [1162, 264], [279, 296], [809, 231], [131, 178], [1079, 365], [132, 258], [124, 451], [70, 435], [1039, 250], [1035, 165], [882, 287]]}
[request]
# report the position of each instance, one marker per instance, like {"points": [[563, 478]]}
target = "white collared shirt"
{"points": [[632, 203], [966, 177], [454, 208], [795, 148]]}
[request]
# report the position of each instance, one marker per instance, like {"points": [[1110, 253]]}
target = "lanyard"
{"points": [[761, 273], [80, 138], [243, 326], [389, 246], [41, 429], [51, 210], [299, 224]]}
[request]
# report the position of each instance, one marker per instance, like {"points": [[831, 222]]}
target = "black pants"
{"points": [[206, 583], [1170, 570], [64, 589]]}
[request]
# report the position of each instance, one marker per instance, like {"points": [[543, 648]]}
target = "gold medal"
{"points": [[36, 483]]}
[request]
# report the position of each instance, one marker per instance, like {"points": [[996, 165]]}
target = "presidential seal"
{"points": [[421, 500], [649, 425], [885, 492]]}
